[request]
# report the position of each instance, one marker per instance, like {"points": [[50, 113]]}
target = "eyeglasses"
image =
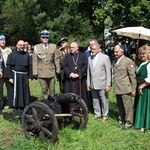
{"points": [[45, 37]]}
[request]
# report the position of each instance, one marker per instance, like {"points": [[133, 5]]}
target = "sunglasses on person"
{"points": [[45, 37]]}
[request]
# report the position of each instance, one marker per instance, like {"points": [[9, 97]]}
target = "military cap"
{"points": [[44, 33], [2, 37], [62, 39]]}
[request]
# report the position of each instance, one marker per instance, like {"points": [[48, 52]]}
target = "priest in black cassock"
{"points": [[19, 73], [75, 68]]}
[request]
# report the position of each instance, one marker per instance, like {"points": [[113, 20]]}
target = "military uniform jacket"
{"points": [[46, 62], [125, 78], [62, 55], [5, 52]]}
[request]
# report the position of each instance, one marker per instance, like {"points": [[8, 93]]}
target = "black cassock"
{"points": [[19, 69], [75, 63]]}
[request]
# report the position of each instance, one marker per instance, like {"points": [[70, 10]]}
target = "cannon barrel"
{"points": [[66, 98]]}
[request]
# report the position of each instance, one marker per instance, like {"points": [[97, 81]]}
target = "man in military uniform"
{"points": [[124, 86], [63, 51], [5, 51], [46, 64]]}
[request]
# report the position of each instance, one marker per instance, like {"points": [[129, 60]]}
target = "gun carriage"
{"points": [[42, 117]]}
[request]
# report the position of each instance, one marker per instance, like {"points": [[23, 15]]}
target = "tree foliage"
{"points": [[77, 19], [20, 19]]}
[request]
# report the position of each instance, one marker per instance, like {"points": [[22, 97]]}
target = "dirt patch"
{"points": [[7, 139]]}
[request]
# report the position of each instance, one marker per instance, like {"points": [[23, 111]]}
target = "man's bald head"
{"points": [[74, 47], [20, 45]]}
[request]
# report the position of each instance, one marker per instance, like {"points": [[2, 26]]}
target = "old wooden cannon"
{"points": [[41, 117]]}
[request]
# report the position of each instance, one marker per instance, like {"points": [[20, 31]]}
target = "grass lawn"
{"points": [[96, 135]]}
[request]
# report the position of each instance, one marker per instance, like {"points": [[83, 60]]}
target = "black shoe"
{"points": [[126, 128]]}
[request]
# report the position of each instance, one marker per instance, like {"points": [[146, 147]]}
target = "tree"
{"points": [[77, 19], [71, 24], [66, 20], [21, 20]]}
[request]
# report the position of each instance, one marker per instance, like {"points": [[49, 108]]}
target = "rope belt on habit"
{"points": [[15, 81]]}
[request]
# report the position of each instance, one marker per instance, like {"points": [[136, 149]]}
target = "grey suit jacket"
{"points": [[125, 78], [100, 76]]}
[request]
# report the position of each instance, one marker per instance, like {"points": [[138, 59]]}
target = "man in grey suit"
{"points": [[124, 86], [99, 81], [46, 64]]}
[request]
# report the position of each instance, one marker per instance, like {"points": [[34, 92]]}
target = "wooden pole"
{"points": [[80, 86], [136, 52]]}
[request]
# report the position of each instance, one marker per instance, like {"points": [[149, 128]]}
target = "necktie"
{"points": [[45, 46]]}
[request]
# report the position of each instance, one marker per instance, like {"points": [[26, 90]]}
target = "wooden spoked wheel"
{"points": [[39, 120], [80, 115]]}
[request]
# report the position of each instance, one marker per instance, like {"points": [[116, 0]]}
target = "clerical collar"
{"points": [[75, 53]]}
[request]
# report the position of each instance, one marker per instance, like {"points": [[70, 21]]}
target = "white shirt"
{"points": [[119, 59], [94, 60], [45, 46], [147, 79]]}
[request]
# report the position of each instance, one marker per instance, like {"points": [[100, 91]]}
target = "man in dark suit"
{"points": [[124, 86], [99, 81]]}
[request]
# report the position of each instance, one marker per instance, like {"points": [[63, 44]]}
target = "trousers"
{"points": [[47, 86]]}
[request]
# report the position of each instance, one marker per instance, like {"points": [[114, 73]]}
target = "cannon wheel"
{"points": [[80, 116], [38, 119]]}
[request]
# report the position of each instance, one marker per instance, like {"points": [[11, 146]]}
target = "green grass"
{"points": [[96, 135]]}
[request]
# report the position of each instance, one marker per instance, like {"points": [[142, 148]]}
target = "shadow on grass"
{"points": [[32, 99], [113, 112]]}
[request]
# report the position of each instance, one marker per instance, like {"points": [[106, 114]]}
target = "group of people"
{"points": [[87, 74]]}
